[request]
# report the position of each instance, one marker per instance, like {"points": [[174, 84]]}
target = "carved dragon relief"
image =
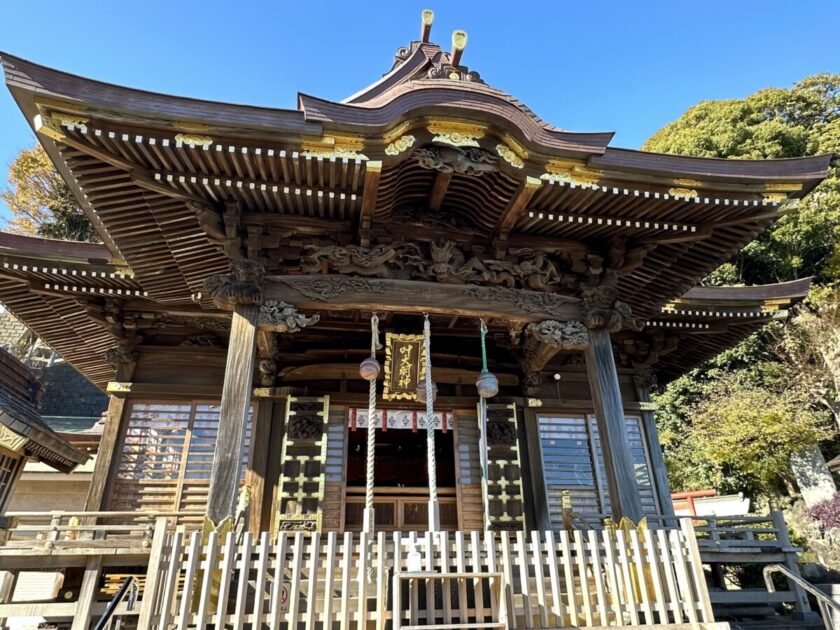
{"points": [[441, 261], [471, 161]]}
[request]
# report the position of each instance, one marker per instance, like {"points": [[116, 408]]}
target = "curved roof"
{"points": [[173, 183]]}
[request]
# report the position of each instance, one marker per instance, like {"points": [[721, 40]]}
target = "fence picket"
{"points": [[346, 567], [629, 591], [580, 557], [670, 580], [641, 577], [244, 561], [682, 577], [276, 616], [167, 600], [194, 553], [329, 579], [295, 570], [613, 579], [478, 592], [653, 561], [311, 591], [570, 578], [207, 581], [598, 576], [557, 607]]}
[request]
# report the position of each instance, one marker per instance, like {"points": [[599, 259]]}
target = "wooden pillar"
{"points": [[609, 411], [643, 382], [107, 457], [236, 399], [258, 461]]}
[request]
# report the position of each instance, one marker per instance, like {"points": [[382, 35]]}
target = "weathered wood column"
{"points": [[643, 381], [241, 291], [603, 314], [236, 401]]}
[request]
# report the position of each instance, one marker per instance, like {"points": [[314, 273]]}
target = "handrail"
{"points": [[130, 587], [824, 601]]}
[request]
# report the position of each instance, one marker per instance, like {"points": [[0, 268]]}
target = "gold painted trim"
{"points": [[400, 144], [570, 173], [457, 134], [688, 183], [396, 132], [194, 139], [12, 441], [682, 192], [509, 156], [421, 371], [786, 187], [775, 197], [349, 147]]}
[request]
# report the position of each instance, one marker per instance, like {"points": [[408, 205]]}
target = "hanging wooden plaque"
{"points": [[404, 366]]}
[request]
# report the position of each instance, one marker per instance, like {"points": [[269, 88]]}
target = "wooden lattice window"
{"points": [[167, 456], [10, 466], [573, 462]]}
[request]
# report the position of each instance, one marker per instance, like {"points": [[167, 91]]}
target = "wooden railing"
{"points": [[87, 530], [548, 580]]}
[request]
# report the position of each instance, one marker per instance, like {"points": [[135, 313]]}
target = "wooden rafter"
{"points": [[373, 170], [138, 174], [515, 208], [438, 192]]}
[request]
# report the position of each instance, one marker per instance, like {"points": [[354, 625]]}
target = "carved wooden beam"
{"points": [[514, 210], [439, 188], [349, 371], [328, 292], [542, 341], [373, 171]]}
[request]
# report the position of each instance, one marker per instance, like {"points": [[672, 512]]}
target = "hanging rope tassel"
{"points": [[434, 513], [369, 370]]}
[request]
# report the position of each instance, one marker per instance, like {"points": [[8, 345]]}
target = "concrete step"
{"points": [[777, 622]]}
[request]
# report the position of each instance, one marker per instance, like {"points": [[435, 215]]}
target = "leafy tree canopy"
{"points": [[41, 202], [735, 405], [774, 123]]}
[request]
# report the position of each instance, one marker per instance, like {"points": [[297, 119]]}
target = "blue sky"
{"points": [[625, 66]]}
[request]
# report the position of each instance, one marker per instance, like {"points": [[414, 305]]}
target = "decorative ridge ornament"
{"points": [[688, 193]]}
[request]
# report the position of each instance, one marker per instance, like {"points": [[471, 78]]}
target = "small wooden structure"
{"points": [[246, 249]]}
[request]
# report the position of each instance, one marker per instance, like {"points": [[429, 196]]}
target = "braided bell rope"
{"points": [[430, 412], [371, 432]]}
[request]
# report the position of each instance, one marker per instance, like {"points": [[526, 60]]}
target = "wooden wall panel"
{"points": [[335, 471], [468, 471]]}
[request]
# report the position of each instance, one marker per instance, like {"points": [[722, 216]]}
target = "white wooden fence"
{"points": [[330, 581]]}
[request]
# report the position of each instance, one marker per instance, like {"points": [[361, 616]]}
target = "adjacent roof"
{"points": [[707, 320], [18, 399]]}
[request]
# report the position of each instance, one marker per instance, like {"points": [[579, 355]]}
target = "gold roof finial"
{"points": [[459, 42], [427, 16]]}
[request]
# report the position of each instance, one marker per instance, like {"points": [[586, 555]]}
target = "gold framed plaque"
{"points": [[405, 365]]}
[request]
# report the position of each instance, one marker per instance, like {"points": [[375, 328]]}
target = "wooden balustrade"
{"points": [[308, 580]]}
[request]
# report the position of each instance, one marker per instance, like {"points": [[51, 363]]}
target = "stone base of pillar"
{"points": [[369, 520], [434, 516]]}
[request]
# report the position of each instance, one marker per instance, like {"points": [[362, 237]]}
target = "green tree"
{"points": [[752, 430], [775, 123], [41, 201], [772, 123]]}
